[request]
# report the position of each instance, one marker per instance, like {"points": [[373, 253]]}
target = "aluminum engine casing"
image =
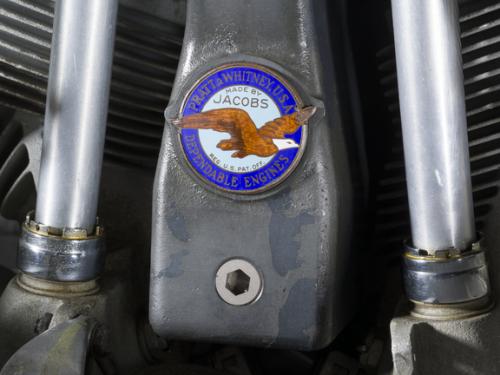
{"points": [[298, 235]]}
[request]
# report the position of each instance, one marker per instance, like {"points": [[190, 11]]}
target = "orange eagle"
{"points": [[246, 139]]}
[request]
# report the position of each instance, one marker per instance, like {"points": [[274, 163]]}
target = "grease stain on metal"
{"points": [[174, 268], [283, 231], [177, 224]]}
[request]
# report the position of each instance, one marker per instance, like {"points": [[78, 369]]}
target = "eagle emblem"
{"points": [[246, 139], [242, 128]]}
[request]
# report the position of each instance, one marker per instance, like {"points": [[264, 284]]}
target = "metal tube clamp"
{"points": [[447, 279], [60, 255]]}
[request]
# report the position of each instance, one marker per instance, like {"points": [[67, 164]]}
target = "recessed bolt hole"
{"points": [[237, 282]]}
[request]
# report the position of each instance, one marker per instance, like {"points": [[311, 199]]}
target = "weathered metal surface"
{"points": [[60, 350], [24, 310], [296, 235]]}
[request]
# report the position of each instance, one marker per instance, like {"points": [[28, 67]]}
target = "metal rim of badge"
{"points": [[236, 181], [249, 293]]}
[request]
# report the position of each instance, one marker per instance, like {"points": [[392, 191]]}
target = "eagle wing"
{"points": [[226, 120], [280, 127]]}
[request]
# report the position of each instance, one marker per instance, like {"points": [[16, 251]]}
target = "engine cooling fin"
{"points": [[146, 54], [480, 34]]}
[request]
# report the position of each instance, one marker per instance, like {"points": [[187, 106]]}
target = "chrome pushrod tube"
{"points": [[433, 117], [444, 268], [76, 113]]}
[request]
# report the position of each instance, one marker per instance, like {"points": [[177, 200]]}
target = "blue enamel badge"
{"points": [[243, 128]]}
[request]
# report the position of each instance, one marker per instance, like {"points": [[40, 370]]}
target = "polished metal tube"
{"points": [[76, 113], [433, 117]]}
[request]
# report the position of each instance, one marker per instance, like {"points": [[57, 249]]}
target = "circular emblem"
{"points": [[243, 128]]}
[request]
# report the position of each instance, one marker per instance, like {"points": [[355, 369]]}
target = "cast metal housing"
{"points": [[296, 235]]}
